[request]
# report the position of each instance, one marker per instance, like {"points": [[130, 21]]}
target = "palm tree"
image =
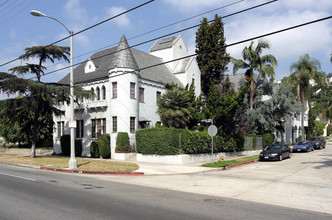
{"points": [[302, 72], [253, 61], [175, 108]]}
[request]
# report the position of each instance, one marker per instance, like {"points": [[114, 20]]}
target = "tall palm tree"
{"points": [[302, 72], [253, 61]]}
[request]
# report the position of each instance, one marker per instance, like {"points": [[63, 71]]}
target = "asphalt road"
{"points": [[34, 194]]}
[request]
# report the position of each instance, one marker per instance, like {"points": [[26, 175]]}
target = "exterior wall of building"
{"points": [[148, 108]]}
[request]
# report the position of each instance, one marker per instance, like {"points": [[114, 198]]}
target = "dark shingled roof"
{"points": [[124, 57], [130, 58], [164, 44]]}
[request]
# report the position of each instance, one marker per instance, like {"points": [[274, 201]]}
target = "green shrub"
{"points": [[94, 152], [65, 144], [122, 143], [104, 146], [329, 130], [268, 139], [160, 141]]}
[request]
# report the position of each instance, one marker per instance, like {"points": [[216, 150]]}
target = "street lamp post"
{"points": [[72, 124]]}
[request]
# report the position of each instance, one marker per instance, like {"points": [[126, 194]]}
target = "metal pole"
{"points": [[212, 140], [72, 161]]}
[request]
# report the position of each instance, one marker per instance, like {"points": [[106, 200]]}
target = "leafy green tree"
{"points": [[253, 61], [213, 64], [222, 108], [302, 72], [40, 98]]}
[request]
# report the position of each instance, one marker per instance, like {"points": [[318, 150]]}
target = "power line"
{"points": [[4, 3], [88, 28], [154, 30], [163, 36], [219, 48], [3, 21]]}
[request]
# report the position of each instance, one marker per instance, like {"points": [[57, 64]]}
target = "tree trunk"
{"points": [[252, 90], [302, 115]]}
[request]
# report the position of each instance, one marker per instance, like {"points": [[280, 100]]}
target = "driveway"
{"points": [[303, 181]]}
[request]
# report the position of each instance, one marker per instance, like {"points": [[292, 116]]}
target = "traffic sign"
{"points": [[212, 130]]}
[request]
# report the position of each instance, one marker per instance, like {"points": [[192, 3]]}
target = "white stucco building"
{"points": [[127, 83]]}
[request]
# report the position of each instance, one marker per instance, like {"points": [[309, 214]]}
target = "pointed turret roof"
{"points": [[124, 57]]}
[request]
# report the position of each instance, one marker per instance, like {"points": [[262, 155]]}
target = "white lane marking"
{"points": [[21, 177]]}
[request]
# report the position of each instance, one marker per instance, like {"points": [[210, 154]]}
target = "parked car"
{"points": [[319, 142], [275, 152], [303, 146]]}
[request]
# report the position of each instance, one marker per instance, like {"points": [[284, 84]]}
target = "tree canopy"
{"points": [[212, 63], [40, 99], [253, 61]]}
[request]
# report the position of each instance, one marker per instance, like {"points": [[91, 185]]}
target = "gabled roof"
{"points": [[129, 58], [163, 44]]}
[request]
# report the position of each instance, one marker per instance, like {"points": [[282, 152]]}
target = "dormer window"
{"points": [[89, 66]]}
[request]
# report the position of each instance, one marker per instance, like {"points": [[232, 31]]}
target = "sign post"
{"points": [[212, 130]]}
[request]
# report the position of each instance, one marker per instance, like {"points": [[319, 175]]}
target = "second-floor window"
{"points": [[158, 94], [115, 89], [98, 93], [141, 95], [103, 91], [132, 90]]}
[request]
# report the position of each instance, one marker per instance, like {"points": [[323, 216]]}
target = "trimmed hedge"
{"points": [[104, 145], [160, 141], [94, 152], [122, 143], [65, 146]]}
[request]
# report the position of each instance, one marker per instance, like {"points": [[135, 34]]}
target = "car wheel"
{"points": [[280, 157]]}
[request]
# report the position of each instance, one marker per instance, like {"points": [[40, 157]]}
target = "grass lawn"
{"points": [[230, 162], [82, 163]]}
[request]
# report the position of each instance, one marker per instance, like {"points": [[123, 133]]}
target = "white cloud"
{"points": [[74, 9], [121, 21]]}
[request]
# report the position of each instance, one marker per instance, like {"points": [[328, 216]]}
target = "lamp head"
{"points": [[37, 13]]}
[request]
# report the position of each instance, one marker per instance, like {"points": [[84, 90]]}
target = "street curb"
{"points": [[239, 164], [91, 172]]}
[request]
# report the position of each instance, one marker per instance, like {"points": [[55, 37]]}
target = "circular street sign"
{"points": [[212, 130]]}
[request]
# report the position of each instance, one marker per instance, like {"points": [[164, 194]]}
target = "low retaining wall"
{"points": [[190, 158], [122, 156]]}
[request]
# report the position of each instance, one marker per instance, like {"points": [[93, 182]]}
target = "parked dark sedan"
{"points": [[275, 152], [319, 142], [303, 146]]}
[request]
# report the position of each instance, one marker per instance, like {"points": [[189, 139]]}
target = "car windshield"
{"points": [[302, 142], [314, 139], [273, 147]]}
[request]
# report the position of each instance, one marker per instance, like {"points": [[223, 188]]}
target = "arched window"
{"points": [[93, 97], [103, 91], [98, 93]]}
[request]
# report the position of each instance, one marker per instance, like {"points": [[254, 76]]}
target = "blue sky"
{"points": [[20, 29]]}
